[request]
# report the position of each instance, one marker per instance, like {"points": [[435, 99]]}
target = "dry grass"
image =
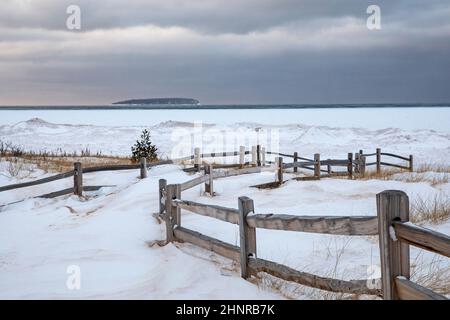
{"points": [[55, 161], [334, 251], [431, 210], [434, 174], [433, 275]]}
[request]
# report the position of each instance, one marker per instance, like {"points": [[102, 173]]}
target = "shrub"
{"points": [[144, 148]]}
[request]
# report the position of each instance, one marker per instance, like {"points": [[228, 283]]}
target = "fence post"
{"points": [[263, 156], [143, 168], [177, 211], [258, 155], [317, 165], [362, 166], [78, 179], [209, 183], [350, 165], [279, 163], [162, 191], [170, 195], [197, 160], [378, 160], [295, 160], [357, 162], [392, 205], [329, 168], [241, 156], [254, 160], [411, 163], [247, 235]]}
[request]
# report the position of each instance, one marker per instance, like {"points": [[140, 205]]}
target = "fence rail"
{"points": [[258, 159], [392, 212]]}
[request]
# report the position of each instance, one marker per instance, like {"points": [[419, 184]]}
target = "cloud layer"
{"points": [[265, 51]]}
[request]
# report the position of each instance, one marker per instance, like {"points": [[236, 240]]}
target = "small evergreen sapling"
{"points": [[144, 148]]}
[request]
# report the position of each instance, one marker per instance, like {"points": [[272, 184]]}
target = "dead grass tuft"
{"points": [[434, 275], [433, 210]]}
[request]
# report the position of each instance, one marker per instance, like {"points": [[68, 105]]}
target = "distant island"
{"points": [[186, 101]]}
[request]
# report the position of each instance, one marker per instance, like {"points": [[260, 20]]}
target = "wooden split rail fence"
{"points": [[356, 164], [391, 224]]}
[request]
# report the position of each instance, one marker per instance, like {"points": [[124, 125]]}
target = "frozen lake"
{"points": [[433, 118]]}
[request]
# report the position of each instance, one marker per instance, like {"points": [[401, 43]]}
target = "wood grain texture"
{"points": [[213, 211], [351, 226], [222, 248], [78, 179], [423, 238], [392, 205], [310, 280], [394, 156], [194, 182], [247, 235], [408, 290]]}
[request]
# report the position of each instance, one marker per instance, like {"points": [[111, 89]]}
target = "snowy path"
{"points": [[107, 236]]}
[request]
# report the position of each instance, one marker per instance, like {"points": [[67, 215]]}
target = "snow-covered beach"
{"points": [[110, 233]]}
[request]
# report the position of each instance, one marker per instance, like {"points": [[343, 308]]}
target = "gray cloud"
{"points": [[263, 51]]}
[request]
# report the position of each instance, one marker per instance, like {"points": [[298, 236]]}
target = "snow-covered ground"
{"points": [[109, 233]]}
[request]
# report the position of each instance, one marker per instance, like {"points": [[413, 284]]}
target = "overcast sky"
{"points": [[224, 51]]}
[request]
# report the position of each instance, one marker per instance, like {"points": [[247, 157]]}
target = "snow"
{"points": [[108, 232]]}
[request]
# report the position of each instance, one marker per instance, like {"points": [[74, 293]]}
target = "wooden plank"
{"points": [[258, 155], [143, 168], [337, 225], [317, 165], [176, 212], [221, 213], [392, 205], [219, 154], [197, 159], [308, 178], [408, 290], [362, 166], [247, 235], [38, 182], [112, 168], [170, 195], [394, 156], [295, 160], [77, 179], [241, 156], [237, 172], [394, 165], [350, 165], [423, 238], [162, 190], [301, 164], [335, 163], [209, 183], [279, 161], [311, 280], [222, 248], [378, 160], [194, 182], [254, 156]]}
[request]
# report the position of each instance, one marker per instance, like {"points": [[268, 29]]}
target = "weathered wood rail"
{"points": [[256, 164], [391, 221]]}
